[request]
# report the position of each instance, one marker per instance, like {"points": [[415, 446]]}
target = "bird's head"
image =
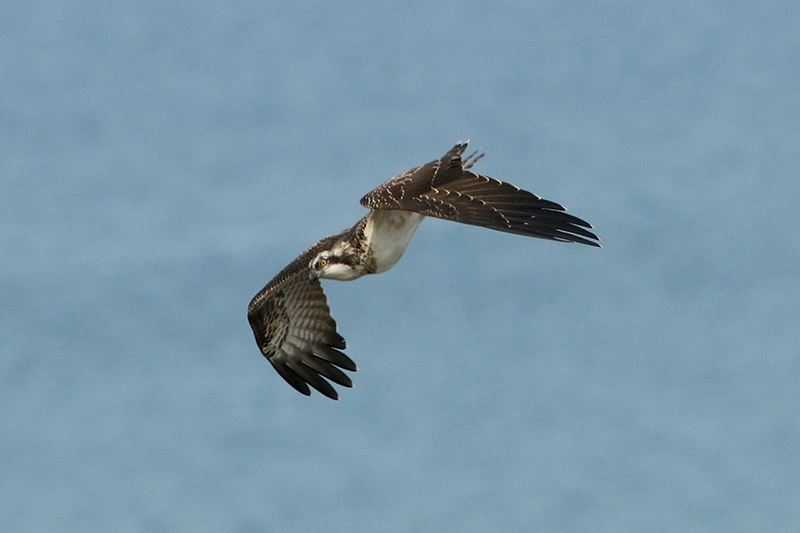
{"points": [[334, 264]]}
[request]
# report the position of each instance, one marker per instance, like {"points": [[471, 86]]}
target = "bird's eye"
{"points": [[323, 262]]}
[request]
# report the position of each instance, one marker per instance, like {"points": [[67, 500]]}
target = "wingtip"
{"points": [[333, 396]]}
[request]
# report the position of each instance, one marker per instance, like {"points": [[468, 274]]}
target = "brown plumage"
{"points": [[290, 317]]}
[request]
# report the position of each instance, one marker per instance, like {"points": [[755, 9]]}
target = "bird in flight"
{"points": [[290, 316]]}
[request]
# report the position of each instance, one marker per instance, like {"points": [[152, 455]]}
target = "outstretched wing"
{"points": [[447, 189], [294, 329]]}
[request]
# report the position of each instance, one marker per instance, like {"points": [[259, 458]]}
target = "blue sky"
{"points": [[160, 163]]}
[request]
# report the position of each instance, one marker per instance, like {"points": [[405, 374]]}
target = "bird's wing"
{"points": [[447, 189], [294, 329]]}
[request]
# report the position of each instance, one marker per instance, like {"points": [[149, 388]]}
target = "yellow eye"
{"points": [[323, 262]]}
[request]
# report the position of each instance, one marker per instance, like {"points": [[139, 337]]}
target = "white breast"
{"points": [[388, 233]]}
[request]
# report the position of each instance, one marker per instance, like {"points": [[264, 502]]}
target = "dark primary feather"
{"points": [[447, 189], [294, 329]]}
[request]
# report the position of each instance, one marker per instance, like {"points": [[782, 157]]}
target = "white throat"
{"points": [[388, 233]]}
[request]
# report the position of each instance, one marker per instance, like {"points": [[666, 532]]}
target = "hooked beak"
{"points": [[312, 276]]}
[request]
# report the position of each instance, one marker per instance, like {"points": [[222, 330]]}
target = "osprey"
{"points": [[290, 317]]}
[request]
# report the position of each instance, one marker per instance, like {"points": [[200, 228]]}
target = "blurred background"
{"points": [[160, 162]]}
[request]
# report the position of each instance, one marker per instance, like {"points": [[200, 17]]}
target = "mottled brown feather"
{"points": [[447, 189], [294, 329]]}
